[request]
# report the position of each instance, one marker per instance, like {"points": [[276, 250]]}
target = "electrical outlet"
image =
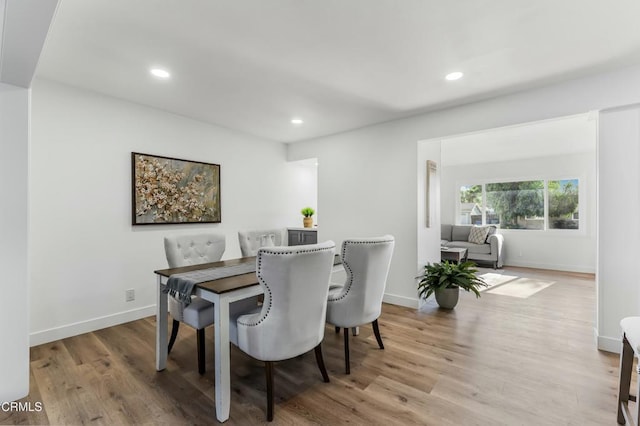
{"points": [[130, 295]]}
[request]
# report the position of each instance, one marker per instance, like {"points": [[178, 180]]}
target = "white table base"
{"points": [[224, 306]]}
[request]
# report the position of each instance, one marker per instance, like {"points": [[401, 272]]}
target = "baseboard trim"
{"points": [[400, 300], [70, 330], [57, 333], [608, 344], [552, 266]]}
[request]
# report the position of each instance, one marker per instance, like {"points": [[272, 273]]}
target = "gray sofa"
{"points": [[458, 236]]}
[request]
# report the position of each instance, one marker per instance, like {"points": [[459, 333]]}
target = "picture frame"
{"points": [[168, 190]]}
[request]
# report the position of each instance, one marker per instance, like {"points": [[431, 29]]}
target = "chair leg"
{"points": [[376, 331], [626, 365], [268, 367], [174, 334], [320, 362], [337, 329], [200, 347], [346, 351]]}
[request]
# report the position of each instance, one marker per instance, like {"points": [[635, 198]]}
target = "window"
{"points": [[563, 204], [517, 205], [471, 205], [532, 205]]}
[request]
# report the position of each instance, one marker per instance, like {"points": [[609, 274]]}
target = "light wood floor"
{"points": [[491, 361]]}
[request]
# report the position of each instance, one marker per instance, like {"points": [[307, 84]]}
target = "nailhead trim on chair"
{"points": [[346, 265], [262, 281]]}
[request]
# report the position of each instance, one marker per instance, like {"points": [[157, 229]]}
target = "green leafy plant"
{"points": [[307, 212], [448, 275]]}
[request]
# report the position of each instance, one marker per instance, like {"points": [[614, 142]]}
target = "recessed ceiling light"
{"points": [[160, 73], [296, 121], [454, 76]]}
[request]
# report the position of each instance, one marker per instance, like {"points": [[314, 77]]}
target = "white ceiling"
{"points": [[23, 28], [252, 65]]}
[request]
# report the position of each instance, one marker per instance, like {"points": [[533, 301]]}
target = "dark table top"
{"points": [[223, 285]]}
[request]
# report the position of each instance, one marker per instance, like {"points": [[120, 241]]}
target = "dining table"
{"points": [[227, 293]]}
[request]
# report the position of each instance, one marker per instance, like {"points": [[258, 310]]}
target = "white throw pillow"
{"points": [[478, 234]]}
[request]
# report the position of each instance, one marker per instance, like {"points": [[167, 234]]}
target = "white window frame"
{"points": [[582, 194]]}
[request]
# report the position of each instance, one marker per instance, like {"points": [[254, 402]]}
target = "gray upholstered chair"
{"points": [[291, 320], [359, 301], [185, 250], [251, 241]]}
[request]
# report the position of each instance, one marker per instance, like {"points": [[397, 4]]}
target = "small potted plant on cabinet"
{"points": [[445, 279], [307, 212]]}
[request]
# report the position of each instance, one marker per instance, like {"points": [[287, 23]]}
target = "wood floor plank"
{"points": [[490, 361], [421, 403], [66, 393], [35, 412]]}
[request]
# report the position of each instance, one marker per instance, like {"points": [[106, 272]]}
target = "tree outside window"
{"points": [[518, 205], [471, 205], [563, 204], [521, 205]]}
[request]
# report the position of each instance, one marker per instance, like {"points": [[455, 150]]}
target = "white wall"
{"points": [[564, 250], [428, 237], [303, 189], [14, 180], [84, 252], [618, 231], [376, 168], [363, 190]]}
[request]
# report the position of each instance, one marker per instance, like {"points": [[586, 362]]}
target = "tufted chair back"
{"points": [[366, 262], [291, 322], [251, 241], [185, 250]]}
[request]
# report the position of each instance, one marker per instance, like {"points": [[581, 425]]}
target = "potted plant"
{"points": [[445, 279], [307, 212]]}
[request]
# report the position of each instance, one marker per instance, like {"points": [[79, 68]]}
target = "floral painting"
{"points": [[169, 190]]}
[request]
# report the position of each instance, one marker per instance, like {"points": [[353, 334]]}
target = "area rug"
{"points": [[514, 286]]}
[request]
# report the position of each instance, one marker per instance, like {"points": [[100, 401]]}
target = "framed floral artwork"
{"points": [[170, 190]]}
